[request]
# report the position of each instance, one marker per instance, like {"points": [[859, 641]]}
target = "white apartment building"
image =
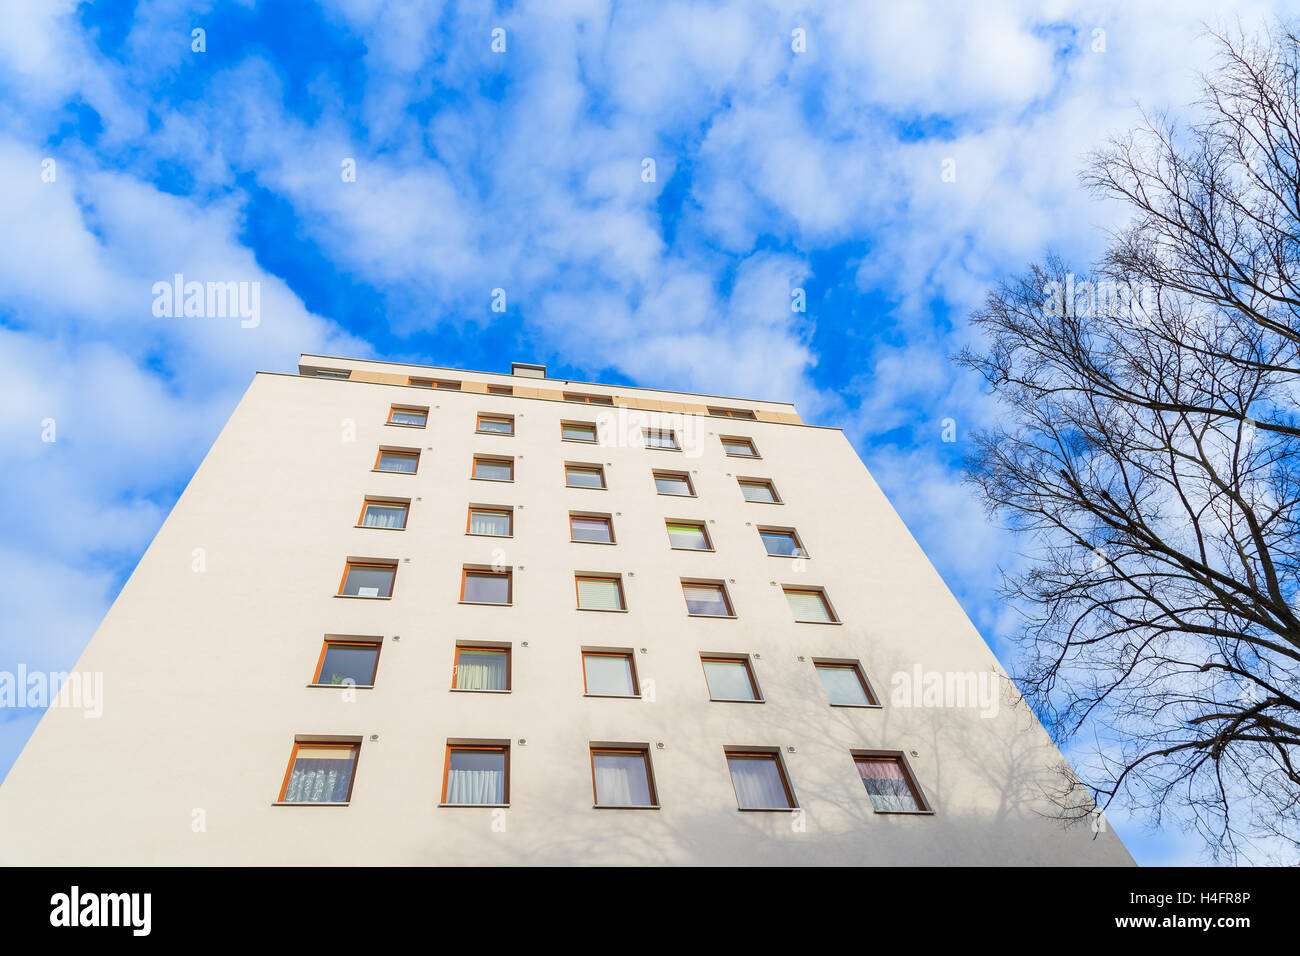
{"points": [[413, 615]]}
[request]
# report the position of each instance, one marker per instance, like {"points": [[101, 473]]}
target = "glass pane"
{"points": [[599, 594], [886, 782], [320, 775], [729, 680], [476, 777], [584, 478], [384, 516], [590, 529], [757, 492], [579, 432], [407, 418], [608, 674], [688, 536], [389, 461], [842, 685], [484, 588], [660, 440], [369, 582], [489, 522], [347, 662], [780, 543], [758, 783], [808, 606], [500, 426], [496, 470], [669, 485], [705, 599], [481, 669], [738, 448], [621, 780]]}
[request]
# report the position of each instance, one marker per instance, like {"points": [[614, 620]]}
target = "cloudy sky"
{"points": [[794, 146]]}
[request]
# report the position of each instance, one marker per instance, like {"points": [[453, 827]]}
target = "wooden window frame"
{"points": [[494, 416], [726, 598], [508, 574], [365, 506], [333, 374], [599, 469], [660, 432], [735, 439], [469, 521], [455, 663], [355, 747], [857, 672], [618, 583], [347, 569], [764, 482], [703, 526], [656, 473], [609, 526], [325, 646], [649, 778], [581, 398], [922, 806], [749, 672], [800, 550], [492, 459], [832, 617], [775, 757], [501, 390], [404, 408], [595, 434], [631, 664], [503, 749], [739, 414], [404, 454]]}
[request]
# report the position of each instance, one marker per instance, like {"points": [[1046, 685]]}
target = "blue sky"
{"points": [[775, 170]]}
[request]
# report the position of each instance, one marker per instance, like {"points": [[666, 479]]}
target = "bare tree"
{"points": [[1150, 459]]}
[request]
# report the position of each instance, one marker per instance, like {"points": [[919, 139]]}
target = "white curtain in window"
{"points": [[621, 780], [807, 605], [476, 786], [480, 523], [608, 674], [728, 680], [598, 594], [842, 685], [758, 783], [886, 782], [380, 516], [320, 775], [480, 671]]}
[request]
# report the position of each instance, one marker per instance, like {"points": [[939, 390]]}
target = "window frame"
{"points": [[791, 533], [354, 746], [607, 519], [504, 749], [596, 576], [749, 442], [923, 806], [346, 642], [401, 453], [419, 381], [594, 749], [583, 398], [775, 757], [764, 482], [407, 408], [657, 473], [873, 702], [508, 574], [333, 374], [491, 459], [469, 520], [749, 673], [699, 523], [738, 414], [832, 616], [595, 432], [494, 416], [660, 433], [631, 665], [501, 390], [455, 664], [726, 598], [348, 565], [367, 501], [599, 469]]}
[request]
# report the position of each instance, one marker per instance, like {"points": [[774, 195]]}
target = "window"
{"points": [[347, 662], [654, 438], [739, 448], [599, 593], [319, 772], [433, 383], [399, 462], [759, 781], [674, 483], [688, 536], [496, 522], [584, 476], [485, 587], [759, 490], [844, 684], [890, 786], [730, 678], [476, 776], [810, 605], [496, 424], [609, 674], [578, 431], [706, 600], [368, 580], [418, 417], [592, 529], [333, 373], [383, 514], [501, 389], [781, 544], [494, 469], [740, 413], [588, 399], [621, 778], [481, 668], [420, 382]]}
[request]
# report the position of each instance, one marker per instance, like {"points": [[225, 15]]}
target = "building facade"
{"points": [[411, 615]]}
